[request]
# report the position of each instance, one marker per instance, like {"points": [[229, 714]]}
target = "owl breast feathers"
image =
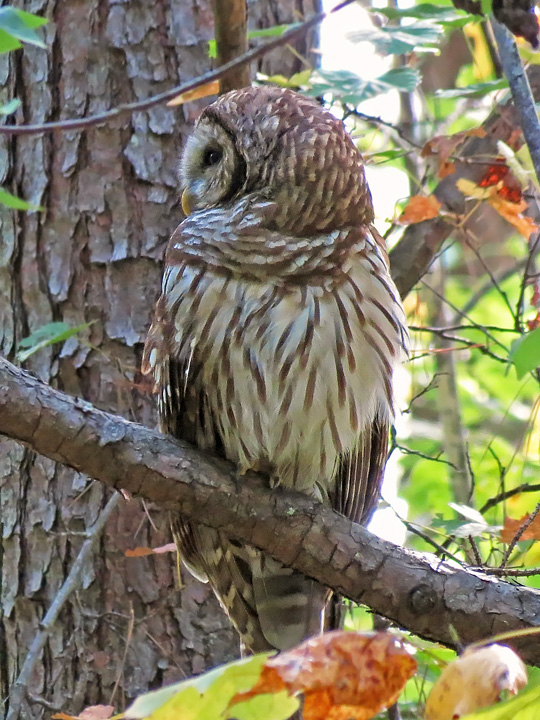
{"points": [[276, 335]]}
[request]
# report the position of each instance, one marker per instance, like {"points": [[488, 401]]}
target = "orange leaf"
{"points": [[210, 88], [475, 132], [143, 551], [341, 674], [512, 526], [420, 208], [511, 211], [445, 169], [139, 552]]}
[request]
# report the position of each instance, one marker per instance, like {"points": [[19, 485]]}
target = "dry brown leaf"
{"points": [[474, 681], [210, 88], [342, 674], [94, 712], [445, 145], [420, 208], [512, 526], [97, 712]]}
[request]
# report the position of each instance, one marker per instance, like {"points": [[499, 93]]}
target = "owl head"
{"points": [[276, 145]]}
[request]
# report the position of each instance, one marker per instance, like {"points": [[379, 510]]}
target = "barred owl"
{"points": [[276, 335]]}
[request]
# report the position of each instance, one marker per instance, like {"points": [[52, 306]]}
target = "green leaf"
{"points": [[206, 697], [387, 155], [31, 20], [298, 80], [10, 107], [475, 90], [17, 24], [426, 11], [397, 40], [48, 334], [525, 706], [525, 352], [351, 88], [8, 42], [279, 706], [16, 203], [274, 31]]}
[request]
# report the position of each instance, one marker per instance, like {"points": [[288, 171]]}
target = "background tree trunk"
{"points": [[93, 255]]}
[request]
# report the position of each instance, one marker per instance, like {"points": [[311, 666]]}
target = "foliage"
{"points": [[17, 27]]}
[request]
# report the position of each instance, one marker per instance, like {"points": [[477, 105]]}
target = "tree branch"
{"points": [[417, 591], [230, 21], [290, 36]]}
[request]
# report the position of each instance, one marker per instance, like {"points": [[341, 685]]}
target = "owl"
{"points": [[276, 336]]}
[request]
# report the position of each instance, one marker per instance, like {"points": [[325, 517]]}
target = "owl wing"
{"points": [[360, 474], [185, 414]]}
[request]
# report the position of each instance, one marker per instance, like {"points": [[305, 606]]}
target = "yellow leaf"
{"points": [[471, 189], [475, 680]]}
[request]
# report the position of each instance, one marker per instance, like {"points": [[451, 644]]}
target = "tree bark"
{"points": [[93, 255]]}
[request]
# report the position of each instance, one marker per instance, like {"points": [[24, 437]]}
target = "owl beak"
{"points": [[187, 202]]}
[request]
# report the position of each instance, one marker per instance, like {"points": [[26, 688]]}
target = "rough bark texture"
{"points": [[94, 255], [418, 591]]}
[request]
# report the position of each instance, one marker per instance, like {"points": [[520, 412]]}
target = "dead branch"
{"points": [[417, 591], [19, 689]]}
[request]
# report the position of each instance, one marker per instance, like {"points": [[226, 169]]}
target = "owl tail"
{"points": [[289, 605]]}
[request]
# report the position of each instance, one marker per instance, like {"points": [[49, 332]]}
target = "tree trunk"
{"points": [[93, 255]]}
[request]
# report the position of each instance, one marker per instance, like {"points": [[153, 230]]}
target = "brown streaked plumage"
{"points": [[276, 335]]}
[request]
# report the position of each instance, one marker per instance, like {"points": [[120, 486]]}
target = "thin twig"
{"points": [[71, 583], [501, 497], [506, 572], [127, 108]]}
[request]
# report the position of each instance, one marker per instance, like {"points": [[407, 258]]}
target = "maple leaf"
{"points": [[420, 208], [511, 527], [341, 674]]}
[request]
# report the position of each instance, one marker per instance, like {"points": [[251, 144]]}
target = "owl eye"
{"points": [[212, 157]]}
